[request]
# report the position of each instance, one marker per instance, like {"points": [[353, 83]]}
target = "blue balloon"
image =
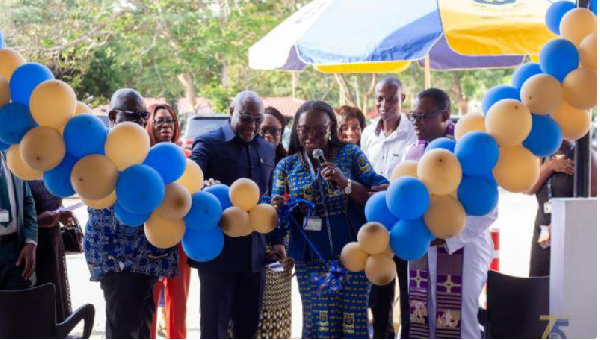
{"points": [[140, 189], [594, 7], [1, 40], [410, 239], [4, 146], [205, 212], [478, 195], [524, 72], [407, 198], [496, 94], [477, 153], [128, 218], [15, 121], [168, 159], [442, 143], [85, 134], [25, 79], [221, 191], [58, 180], [377, 210], [545, 136], [558, 58], [202, 246], [555, 13]]}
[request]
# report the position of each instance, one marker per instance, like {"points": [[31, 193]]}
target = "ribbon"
{"points": [[336, 274]]}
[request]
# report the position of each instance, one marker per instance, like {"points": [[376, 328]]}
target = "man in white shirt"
{"points": [[18, 231], [384, 142]]}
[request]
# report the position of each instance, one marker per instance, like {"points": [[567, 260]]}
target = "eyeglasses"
{"points": [[246, 117], [318, 132], [132, 115], [352, 128], [163, 121], [415, 116], [270, 130]]}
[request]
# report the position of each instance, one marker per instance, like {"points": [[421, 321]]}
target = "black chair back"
{"points": [[515, 305], [31, 314], [28, 313]]}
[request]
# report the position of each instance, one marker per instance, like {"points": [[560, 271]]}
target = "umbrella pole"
{"points": [[427, 73]]}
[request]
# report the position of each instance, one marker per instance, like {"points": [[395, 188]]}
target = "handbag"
{"points": [[72, 237]]}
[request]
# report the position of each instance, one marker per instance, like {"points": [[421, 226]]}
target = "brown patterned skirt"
{"points": [[276, 315]]}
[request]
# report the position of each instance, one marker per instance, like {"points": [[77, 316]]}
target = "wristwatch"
{"points": [[348, 188]]}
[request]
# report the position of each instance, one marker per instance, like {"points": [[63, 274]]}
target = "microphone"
{"points": [[320, 157]]}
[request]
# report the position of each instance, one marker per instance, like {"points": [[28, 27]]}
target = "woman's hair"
{"points": [[150, 126], [280, 152], [347, 112], [314, 106]]}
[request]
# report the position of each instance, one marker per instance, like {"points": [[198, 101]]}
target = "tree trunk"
{"points": [[345, 94], [367, 96], [459, 95], [187, 81]]}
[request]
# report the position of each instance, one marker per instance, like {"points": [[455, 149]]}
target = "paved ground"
{"points": [[517, 213]]}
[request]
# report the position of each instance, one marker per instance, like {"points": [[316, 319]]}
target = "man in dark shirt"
{"points": [[231, 285]]}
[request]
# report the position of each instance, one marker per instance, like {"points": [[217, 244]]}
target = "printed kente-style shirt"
{"points": [[111, 246]]}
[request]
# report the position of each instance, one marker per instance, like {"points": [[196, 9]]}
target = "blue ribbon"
{"points": [[336, 274]]}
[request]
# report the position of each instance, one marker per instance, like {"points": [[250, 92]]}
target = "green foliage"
{"points": [[98, 46]]}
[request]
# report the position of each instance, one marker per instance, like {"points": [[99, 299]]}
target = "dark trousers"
{"points": [[381, 302], [11, 275], [129, 304], [226, 296], [539, 263]]}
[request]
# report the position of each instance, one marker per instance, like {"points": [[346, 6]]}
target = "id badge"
{"points": [[313, 223], [4, 216], [548, 207]]}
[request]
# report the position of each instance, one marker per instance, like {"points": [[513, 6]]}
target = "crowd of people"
{"points": [[239, 296]]}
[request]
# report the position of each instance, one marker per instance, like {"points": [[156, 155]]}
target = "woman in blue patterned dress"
{"points": [[339, 189]]}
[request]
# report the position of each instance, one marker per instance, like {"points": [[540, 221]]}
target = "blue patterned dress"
{"points": [[111, 246], [332, 314]]}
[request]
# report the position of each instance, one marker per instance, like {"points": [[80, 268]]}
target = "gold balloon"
{"points": [[177, 202], [102, 203], [353, 257], [405, 168], [580, 88], [468, 123], [576, 24], [127, 144], [18, 167], [574, 123], [509, 122], [373, 238], [389, 252], [4, 91], [517, 169], [440, 171], [164, 233], [52, 103], [244, 194], [81, 107], [263, 218], [192, 178], [541, 93], [380, 269], [42, 148], [9, 61], [588, 53], [445, 217], [94, 177], [235, 222]]}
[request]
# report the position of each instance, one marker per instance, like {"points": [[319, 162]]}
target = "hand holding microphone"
{"points": [[330, 172]]}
